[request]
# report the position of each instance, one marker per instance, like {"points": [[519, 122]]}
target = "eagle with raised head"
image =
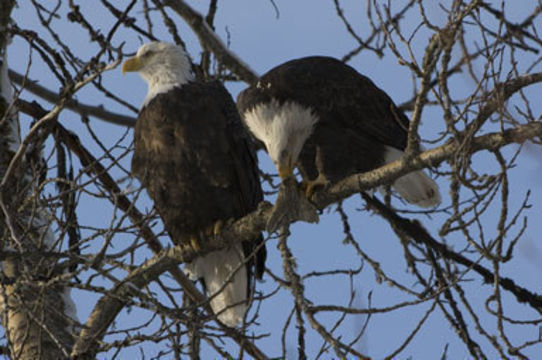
{"points": [[197, 162], [324, 117]]}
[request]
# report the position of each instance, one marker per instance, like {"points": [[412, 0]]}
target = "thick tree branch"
{"points": [[34, 318]]}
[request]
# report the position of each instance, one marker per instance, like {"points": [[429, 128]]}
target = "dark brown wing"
{"points": [[196, 160], [338, 94], [246, 168]]}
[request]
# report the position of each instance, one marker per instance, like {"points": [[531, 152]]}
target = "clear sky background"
{"points": [[264, 39]]}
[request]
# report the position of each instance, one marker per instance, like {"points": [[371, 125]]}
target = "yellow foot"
{"points": [[310, 187], [217, 227]]}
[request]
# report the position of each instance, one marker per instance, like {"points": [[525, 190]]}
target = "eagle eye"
{"points": [[147, 53]]}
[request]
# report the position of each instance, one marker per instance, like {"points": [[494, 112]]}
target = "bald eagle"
{"points": [[197, 162], [322, 116]]}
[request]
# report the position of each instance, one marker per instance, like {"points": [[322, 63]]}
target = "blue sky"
{"points": [[264, 40]]}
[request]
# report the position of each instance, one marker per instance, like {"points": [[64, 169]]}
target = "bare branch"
{"points": [[98, 112], [210, 40]]}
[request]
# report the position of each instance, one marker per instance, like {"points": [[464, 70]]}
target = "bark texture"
{"points": [[33, 308]]}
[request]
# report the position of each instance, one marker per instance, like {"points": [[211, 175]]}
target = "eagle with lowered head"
{"points": [[198, 164], [324, 117]]}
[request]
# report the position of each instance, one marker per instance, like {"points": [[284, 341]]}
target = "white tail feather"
{"points": [[416, 187], [216, 269], [419, 189]]}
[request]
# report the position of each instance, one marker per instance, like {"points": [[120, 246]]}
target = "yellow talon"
{"points": [[195, 243], [217, 227], [309, 187]]}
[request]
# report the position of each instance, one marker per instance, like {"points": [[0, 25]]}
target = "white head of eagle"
{"points": [[162, 65], [283, 129]]}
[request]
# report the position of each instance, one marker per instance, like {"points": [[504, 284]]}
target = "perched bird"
{"points": [[324, 117], [197, 162]]}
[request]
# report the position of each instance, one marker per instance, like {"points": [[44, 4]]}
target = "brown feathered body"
{"points": [[197, 162]]}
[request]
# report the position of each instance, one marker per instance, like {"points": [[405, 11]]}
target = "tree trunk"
{"points": [[33, 311]]}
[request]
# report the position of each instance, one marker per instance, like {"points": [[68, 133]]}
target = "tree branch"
{"points": [[247, 227], [388, 173], [417, 233], [244, 229], [211, 41], [83, 109]]}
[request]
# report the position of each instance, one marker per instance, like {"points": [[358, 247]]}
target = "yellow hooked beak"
{"points": [[286, 170], [132, 64]]}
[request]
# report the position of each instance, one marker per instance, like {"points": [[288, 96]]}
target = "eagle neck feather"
{"points": [[159, 89], [163, 79]]}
